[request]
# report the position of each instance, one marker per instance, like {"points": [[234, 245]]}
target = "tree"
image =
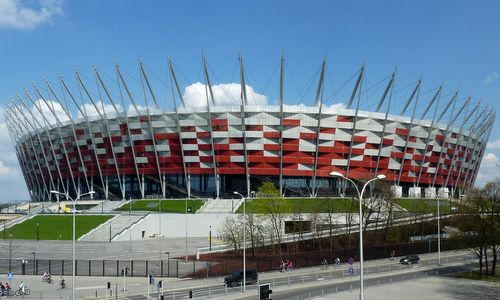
{"points": [[254, 231], [478, 224], [231, 232], [492, 192], [274, 210]]}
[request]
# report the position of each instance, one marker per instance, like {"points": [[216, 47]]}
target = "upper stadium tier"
{"points": [[120, 141]]}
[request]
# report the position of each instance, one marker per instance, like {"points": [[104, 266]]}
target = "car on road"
{"points": [[237, 278], [409, 259]]}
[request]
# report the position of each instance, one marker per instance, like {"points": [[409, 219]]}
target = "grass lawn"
{"points": [[425, 205], [54, 227], [171, 206], [304, 205], [475, 276]]}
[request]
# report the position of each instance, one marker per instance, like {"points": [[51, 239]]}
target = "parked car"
{"points": [[410, 259], [237, 278]]}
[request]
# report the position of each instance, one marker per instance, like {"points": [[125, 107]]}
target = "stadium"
{"points": [[118, 138]]}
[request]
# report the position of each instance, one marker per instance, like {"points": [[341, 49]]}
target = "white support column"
{"points": [[243, 125], [121, 81], [87, 122], [281, 100], [456, 148], [355, 91], [59, 130], [430, 129], [142, 182], [15, 125], [416, 92], [319, 100], [208, 91], [173, 80], [54, 159], [73, 129]]}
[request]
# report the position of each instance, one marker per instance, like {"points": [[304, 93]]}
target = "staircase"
{"points": [[118, 224], [105, 206], [220, 206]]}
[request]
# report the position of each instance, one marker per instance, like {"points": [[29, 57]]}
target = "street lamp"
{"points": [[168, 263], [74, 225], [360, 199], [244, 242], [34, 262]]}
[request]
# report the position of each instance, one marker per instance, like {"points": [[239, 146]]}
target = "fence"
{"points": [[111, 268]]}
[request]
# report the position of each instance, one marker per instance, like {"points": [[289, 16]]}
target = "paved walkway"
{"points": [[443, 288]]}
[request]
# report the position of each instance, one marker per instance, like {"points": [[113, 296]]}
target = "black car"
{"points": [[410, 259], [237, 278]]}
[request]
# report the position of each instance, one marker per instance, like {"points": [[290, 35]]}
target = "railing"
{"points": [[106, 268]]}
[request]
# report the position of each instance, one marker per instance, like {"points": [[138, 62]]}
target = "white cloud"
{"points": [[490, 169], [90, 110], [491, 78], [494, 144], [20, 14], [12, 183], [225, 94], [46, 110], [326, 108]]}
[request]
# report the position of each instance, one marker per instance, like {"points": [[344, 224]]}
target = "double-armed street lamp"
{"points": [[360, 200], [244, 241], [74, 225]]}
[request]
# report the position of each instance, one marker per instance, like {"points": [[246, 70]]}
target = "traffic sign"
{"points": [[10, 275]]}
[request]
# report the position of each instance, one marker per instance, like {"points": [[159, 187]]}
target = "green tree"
{"points": [[274, 210], [479, 224]]}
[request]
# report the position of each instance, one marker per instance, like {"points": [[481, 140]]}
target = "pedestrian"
{"points": [[393, 254], [282, 266], [290, 266], [325, 263], [22, 286], [7, 288], [337, 261], [2, 289]]}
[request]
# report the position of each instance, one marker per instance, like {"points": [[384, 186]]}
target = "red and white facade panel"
{"points": [[195, 141]]}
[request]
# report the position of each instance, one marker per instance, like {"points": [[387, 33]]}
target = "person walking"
{"points": [[2, 289]]}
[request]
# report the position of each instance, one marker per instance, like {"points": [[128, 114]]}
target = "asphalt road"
{"points": [[312, 282]]}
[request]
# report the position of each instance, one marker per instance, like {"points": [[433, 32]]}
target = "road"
{"points": [[300, 282]]}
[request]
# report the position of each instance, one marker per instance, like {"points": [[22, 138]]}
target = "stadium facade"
{"points": [[75, 138]]}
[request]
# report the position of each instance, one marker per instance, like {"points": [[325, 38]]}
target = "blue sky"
{"points": [[457, 42]]}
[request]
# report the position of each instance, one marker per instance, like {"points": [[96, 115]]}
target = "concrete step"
{"points": [[220, 206], [111, 228], [106, 206]]}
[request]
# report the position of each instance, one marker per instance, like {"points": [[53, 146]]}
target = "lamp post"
{"points": [[34, 262], [74, 225], [360, 200], [244, 242], [37, 231], [168, 263]]}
